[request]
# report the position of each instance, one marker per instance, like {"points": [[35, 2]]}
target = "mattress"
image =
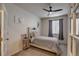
{"points": [[48, 42]]}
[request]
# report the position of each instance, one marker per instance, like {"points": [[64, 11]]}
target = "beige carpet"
{"points": [[32, 51]]}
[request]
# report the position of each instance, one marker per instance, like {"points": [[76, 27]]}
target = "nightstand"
{"points": [[26, 41]]}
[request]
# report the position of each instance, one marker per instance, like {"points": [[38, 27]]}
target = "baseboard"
{"points": [[13, 54]]}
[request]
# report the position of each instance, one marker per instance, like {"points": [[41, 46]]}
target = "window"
{"points": [[77, 26], [55, 27]]}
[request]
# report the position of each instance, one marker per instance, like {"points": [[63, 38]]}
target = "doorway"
{"points": [[0, 33], [1, 19]]}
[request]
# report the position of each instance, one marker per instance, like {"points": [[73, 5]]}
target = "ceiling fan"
{"points": [[50, 9]]}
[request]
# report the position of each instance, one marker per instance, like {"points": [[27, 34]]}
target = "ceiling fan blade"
{"points": [[57, 10], [46, 10]]}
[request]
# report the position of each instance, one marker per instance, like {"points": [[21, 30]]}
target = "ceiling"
{"points": [[37, 8]]}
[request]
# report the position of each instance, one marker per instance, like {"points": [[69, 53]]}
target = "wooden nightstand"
{"points": [[26, 41]]}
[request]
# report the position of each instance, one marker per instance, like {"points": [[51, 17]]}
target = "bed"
{"points": [[46, 43]]}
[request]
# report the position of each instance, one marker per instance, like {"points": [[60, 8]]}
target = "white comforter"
{"points": [[48, 42]]}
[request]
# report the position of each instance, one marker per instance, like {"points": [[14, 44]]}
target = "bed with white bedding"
{"points": [[46, 43], [49, 43]]}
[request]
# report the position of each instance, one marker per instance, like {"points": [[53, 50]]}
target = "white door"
{"points": [[3, 41], [1, 32]]}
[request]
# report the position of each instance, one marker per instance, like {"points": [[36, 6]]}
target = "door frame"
{"points": [[72, 35], [2, 31]]}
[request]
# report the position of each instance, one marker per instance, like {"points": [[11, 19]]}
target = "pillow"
{"points": [[34, 33]]}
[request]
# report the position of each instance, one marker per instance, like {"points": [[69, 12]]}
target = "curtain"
{"points": [[50, 28], [61, 29]]}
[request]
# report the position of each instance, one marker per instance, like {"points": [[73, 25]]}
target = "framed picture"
{"points": [[17, 19]]}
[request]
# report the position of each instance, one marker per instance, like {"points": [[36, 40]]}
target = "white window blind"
{"points": [[55, 27]]}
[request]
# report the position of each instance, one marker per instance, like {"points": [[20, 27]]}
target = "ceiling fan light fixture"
{"points": [[49, 13]]}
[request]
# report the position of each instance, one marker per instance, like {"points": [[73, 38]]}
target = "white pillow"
{"points": [[36, 33]]}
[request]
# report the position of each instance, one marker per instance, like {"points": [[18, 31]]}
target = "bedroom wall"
{"points": [[0, 22], [14, 28], [0, 34], [45, 26]]}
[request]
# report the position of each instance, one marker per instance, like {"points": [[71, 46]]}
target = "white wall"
{"points": [[13, 30], [0, 22], [45, 26], [0, 34], [0, 15]]}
